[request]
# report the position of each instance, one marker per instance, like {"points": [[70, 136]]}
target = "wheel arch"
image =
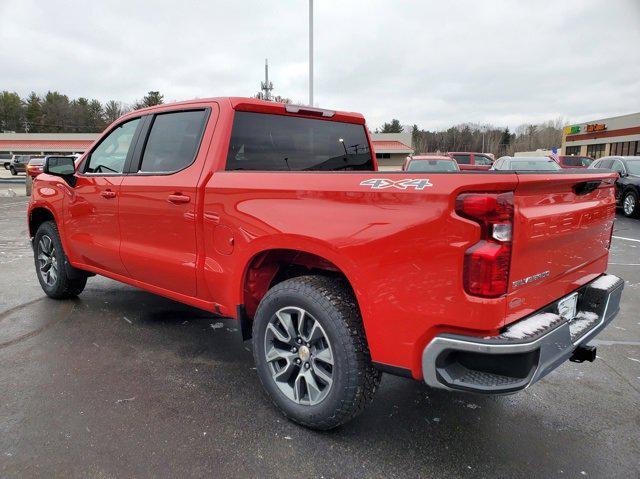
{"points": [[37, 216], [268, 267]]}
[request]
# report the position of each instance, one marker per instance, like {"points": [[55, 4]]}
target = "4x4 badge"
{"points": [[384, 183]]}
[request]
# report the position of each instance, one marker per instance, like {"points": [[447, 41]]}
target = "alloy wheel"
{"points": [[299, 356], [47, 261], [629, 204]]}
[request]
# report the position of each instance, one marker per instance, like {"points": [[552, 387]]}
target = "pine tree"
{"points": [[112, 111], [33, 113], [151, 99], [393, 127]]}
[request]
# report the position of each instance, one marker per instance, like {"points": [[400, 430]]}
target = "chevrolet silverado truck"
{"points": [[275, 215]]}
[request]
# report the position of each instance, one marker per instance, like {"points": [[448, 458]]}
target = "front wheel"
{"points": [[630, 205], [311, 352], [54, 274]]}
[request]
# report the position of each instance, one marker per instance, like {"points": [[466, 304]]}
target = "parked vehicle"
{"points": [[430, 163], [35, 165], [525, 163], [19, 164], [472, 161], [275, 215], [573, 161], [628, 182], [34, 168]]}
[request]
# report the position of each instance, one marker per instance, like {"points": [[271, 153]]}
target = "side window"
{"points": [[482, 160], [173, 141], [462, 159], [618, 166], [605, 164], [111, 154]]}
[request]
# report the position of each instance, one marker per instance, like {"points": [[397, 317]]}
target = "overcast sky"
{"points": [[433, 63]]}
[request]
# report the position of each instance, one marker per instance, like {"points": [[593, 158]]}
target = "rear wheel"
{"points": [[58, 279], [311, 352], [630, 205], [13, 170]]}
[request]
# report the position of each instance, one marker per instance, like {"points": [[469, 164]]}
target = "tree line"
{"points": [[488, 138], [54, 112]]}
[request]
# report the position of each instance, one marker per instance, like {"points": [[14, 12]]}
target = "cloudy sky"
{"points": [[433, 63]]}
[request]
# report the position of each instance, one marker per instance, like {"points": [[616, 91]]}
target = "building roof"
{"points": [[391, 147], [46, 142]]}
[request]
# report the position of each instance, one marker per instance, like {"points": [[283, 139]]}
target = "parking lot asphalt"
{"points": [[122, 383]]}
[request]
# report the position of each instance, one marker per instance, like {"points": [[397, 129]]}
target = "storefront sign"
{"points": [[590, 128], [596, 127]]}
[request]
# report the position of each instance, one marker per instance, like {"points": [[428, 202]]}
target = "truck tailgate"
{"points": [[562, 229]]}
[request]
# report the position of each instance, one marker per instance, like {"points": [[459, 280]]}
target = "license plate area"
{"points": [[568, 306]]}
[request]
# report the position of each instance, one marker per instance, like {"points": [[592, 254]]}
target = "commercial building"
{"points": [[45, 143], [391, 149], [619, 135]]}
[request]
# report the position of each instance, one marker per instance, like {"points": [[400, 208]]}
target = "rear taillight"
{"points": [[487, 263]]}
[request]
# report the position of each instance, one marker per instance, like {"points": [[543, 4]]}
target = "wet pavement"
{"points": [[122, 383]]}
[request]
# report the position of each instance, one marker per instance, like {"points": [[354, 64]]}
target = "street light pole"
{"points": [[310, 52]]}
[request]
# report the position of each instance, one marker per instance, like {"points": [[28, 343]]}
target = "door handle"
{"points": [[108, 194], [178, 198]]}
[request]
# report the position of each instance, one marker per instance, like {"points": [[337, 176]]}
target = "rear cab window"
{"points": [[270, 142], [482, 160], [432, 165]]}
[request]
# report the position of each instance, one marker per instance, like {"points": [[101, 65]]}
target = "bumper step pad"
{"points": [[526, 350]]}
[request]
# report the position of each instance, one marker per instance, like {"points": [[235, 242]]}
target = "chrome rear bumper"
{"points": [[526, 351]]}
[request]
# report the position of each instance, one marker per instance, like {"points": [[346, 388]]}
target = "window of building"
{"points": [[110, 155], [173, 141], [596, 151], [266, 142], [572, 150], [625, 148], [383, 156]]}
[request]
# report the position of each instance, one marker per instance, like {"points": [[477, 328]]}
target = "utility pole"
{"points": [[310, 52], [266, 86]]}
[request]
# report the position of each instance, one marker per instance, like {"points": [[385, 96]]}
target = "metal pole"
{"points": [[311, 52]]}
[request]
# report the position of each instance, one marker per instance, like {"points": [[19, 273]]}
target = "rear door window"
{"points": [[605, 164], [463, 159], [173, 141], [267, 142]]}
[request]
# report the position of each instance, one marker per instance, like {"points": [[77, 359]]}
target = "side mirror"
{"points": [[62, 166]]}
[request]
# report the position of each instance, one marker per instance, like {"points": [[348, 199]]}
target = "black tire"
{"points": [[13, 170], [635, 211], [331, 303], [69, 282]]}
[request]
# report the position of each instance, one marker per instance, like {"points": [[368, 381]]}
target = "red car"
{"points": [[571, 161], [275, 215], [472, 161], [430, 163]]}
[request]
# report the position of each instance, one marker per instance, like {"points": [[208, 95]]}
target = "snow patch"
{"points": [[604, 282], [531, 326], [582, 321]]}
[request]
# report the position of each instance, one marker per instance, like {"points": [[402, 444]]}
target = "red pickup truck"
{"points": [[275, 215]]}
